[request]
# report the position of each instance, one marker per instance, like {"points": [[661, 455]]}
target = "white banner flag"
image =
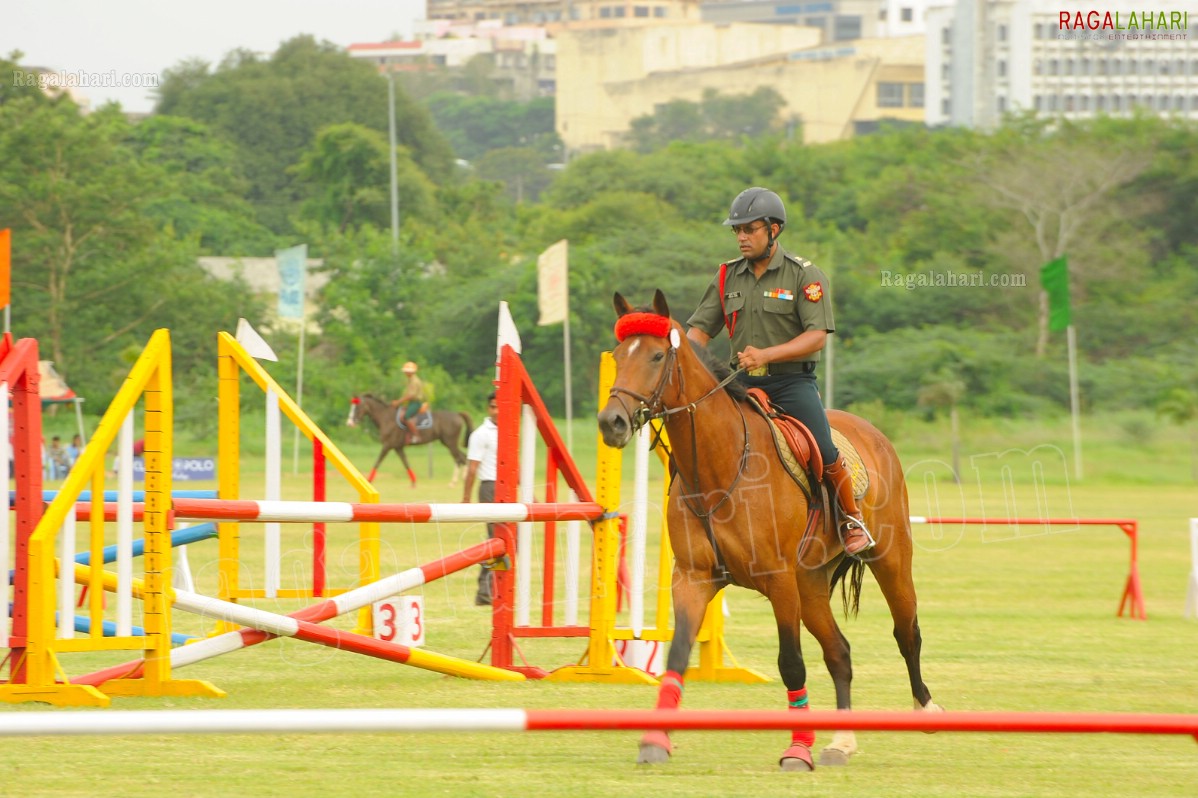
{"points": [[293, 263], [552, 284]]}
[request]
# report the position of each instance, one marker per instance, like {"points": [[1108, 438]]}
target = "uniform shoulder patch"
{"points": [[814, 292]]}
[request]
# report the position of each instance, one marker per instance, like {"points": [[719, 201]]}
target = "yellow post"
{"points": [[601, 652], [150, 376], [233, 360], [228, 465]]}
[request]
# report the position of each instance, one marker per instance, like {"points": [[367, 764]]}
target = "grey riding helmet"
{"points": [[756, 203]]}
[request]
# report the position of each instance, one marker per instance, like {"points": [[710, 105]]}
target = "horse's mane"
{"points": [[720, 370]]}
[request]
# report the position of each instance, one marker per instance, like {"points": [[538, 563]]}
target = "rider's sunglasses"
{"points": [[747, 229]]}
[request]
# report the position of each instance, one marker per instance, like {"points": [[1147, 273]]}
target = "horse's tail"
{"points": [[852, 571], [469, 427]]}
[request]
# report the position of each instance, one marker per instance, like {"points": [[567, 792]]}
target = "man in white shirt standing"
{"points": [[481, 454]]}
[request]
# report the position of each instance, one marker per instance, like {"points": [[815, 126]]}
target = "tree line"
{"points": [[258, 153]]}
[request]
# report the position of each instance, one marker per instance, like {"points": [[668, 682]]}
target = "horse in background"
{"points": [[737, 517], [451, 428]]}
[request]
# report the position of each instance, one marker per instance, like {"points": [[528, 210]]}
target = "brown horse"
{"points": [[448, 427], [736, 517]]}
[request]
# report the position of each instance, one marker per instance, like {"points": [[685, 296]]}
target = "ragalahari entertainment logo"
{"points": [[1119, 21]]}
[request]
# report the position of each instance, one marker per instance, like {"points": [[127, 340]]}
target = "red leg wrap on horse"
{"points": [[669, 695], [797, 699]]}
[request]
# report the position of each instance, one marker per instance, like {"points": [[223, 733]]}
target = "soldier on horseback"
{"points": [[778, 313]]}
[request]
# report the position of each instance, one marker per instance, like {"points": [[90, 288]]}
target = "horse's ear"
{"points": [[621, 304], [659, 304]]}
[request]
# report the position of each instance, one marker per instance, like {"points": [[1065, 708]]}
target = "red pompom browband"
{"points": [[642, 324]]}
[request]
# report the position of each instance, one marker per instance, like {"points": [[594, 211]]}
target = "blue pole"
{"points": [[180, 537], [83, 626], [112, 495]]}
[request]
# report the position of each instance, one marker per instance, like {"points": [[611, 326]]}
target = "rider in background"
{"points": [[778, 313], [410, 401]]}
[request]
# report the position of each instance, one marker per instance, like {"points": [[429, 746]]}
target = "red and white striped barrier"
{"points": [[293, 721], [305, 624], [346, 512], [1133, 593]]}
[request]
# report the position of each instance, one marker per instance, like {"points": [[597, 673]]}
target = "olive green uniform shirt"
{"points": [[791, 297]]}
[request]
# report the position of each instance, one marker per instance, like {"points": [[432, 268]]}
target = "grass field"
{"points": [[1012, 619]]}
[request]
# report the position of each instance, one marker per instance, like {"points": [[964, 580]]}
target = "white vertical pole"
{"points": [[569, 377], [299, 389], [66, 584], [124, 531], [572, 562], [181, 578], [5, 533], [1074, 404], [1192, 591], [636, 533], [273, 493], [524, 554]]}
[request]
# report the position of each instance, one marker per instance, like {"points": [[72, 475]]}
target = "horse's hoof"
{"points": [[655, 748], [931, 706], [651, 754], [833, 758], [797, 759]]}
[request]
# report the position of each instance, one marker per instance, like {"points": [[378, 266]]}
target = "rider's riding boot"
{"points": [[411, 425], [856, 537]]}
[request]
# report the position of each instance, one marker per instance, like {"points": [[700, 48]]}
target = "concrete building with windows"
{"points": [[987, 59], [839, 20], [556, 12], [832, 90], [524, 56]]}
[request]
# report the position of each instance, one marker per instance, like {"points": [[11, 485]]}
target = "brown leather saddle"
{"points": [[800, 453]]}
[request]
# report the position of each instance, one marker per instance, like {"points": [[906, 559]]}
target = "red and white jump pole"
{"points": [[292, 721], [346, 512], [1133, 593], [305, 624]]}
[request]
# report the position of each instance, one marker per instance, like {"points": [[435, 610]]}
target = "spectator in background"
{"points": [[74, 450], [57, 460], [481, 454]]}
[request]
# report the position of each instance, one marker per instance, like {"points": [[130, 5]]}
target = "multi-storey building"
{"points": [[552, 12], [523, 55], [839, 20], [986, 59], [607, 78]]}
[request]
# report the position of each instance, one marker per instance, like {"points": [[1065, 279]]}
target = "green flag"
{"points": [[1054, 277]]}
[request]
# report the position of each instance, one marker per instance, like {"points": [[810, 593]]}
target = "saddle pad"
{"points": [[855, 463], [797, 473], [860, 476]]}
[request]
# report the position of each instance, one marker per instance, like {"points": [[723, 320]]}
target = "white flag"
{"points": [[253, 343], [552, 284]]}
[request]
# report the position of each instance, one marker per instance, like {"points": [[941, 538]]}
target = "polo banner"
{"points": [[186, 469]]}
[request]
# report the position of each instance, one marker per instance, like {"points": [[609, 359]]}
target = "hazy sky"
{"points": [[148, 36]]}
